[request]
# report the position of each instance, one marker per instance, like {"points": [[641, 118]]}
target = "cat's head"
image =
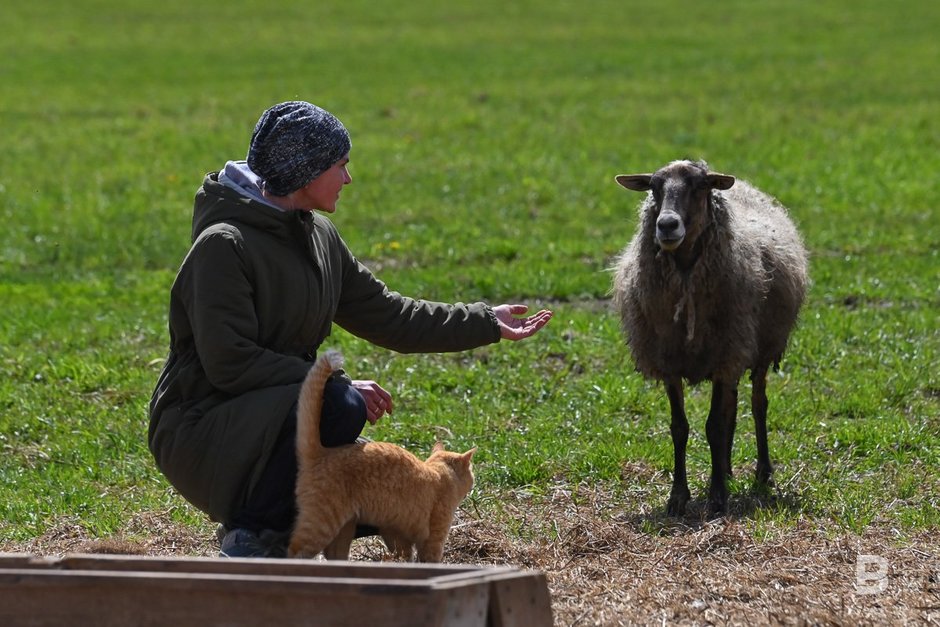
{"points": [[460, 463]]}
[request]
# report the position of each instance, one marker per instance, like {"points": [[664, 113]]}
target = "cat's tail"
{"points": [[310, 404]]}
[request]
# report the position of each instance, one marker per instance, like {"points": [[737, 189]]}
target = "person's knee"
{"points": [[344, 414]]}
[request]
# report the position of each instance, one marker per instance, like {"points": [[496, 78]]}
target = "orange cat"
{"points": [[412, 502]]}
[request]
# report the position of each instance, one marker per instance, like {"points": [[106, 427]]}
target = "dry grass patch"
{"points": [[609, 567]]}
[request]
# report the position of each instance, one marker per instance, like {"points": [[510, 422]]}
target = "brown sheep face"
{"points": [[680, 191]]}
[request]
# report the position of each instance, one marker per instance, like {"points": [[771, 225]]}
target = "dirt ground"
{"points": [[607, 567]]}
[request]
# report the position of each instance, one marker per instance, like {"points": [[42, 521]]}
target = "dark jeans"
{"points": [[271, 503]]}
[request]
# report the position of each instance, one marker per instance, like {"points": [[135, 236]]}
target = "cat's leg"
{"points": [[431, 548], [316, 527], [398, 545], [338, 549]]}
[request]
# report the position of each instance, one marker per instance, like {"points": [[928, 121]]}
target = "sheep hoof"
{"points": [[717, 507], [676, 505], [764, 475], [717, 504]]}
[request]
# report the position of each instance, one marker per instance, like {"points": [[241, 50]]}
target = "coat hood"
{"points": [[216, 202]]}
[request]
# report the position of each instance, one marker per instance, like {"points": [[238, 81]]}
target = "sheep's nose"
{"points": [[668, 223]]}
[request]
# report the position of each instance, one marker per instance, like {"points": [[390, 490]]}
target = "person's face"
{"points": [[323, 192]]}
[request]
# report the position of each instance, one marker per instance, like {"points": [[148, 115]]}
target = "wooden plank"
{"points": [[137, 590], [286, 567], [519, 601], [44, 597]]}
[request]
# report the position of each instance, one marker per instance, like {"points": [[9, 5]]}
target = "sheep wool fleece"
{"points": [[252, 302]]}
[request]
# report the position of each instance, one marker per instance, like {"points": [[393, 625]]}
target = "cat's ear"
{"points": [[468, 456], [438, 447]]}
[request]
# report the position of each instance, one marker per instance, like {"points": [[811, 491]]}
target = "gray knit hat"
{"points": [[293, 143]]}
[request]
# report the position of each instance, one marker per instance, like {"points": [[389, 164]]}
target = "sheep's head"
{"points": [[680, 194]]}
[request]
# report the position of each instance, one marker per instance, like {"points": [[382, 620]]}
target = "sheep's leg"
{"points": [[719, 422], [679, 427], [732, 426], [759, 404]]}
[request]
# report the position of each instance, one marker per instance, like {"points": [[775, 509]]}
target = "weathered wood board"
{"points": [[133, 590]]}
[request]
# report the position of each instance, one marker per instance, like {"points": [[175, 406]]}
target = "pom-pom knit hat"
{"points": [[293, 143]]}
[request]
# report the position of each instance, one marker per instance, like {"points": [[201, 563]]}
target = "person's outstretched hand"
{"points": [[513, 328]]}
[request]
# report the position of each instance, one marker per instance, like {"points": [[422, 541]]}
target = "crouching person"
{"points": [[263, 282]]}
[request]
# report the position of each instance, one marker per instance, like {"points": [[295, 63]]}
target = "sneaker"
{"points": [[247, 543]]}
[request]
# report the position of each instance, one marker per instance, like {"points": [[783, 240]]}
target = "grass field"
{"points": [[485, 142]]}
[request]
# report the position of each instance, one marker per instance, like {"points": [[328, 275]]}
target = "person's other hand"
{"points": [[513, 328], [378, 401]]}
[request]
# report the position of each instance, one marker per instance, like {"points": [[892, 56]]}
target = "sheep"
{"points": [[710, 286]]}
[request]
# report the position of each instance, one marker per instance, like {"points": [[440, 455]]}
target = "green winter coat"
{"points": [[253, 300]]}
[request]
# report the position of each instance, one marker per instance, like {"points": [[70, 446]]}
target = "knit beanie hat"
{"points": [[293, 143]]}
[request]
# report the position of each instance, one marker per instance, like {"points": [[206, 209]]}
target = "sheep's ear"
{"points": [[636, 182], [720, 181]]}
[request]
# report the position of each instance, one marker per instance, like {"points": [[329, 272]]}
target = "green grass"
{"points": [[485, 141]]}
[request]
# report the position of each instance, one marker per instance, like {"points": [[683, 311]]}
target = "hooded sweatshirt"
{"points": [[253, 300]]}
